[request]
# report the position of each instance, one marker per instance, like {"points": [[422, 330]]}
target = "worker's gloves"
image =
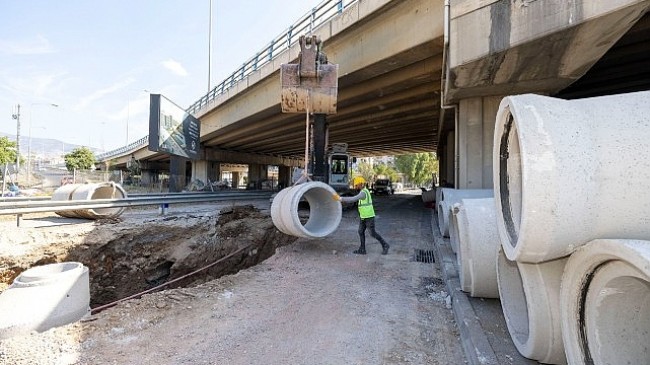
{"points": [[336, 197]]}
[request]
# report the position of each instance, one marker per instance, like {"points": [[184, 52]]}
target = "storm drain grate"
{"points": [[425, 256]]}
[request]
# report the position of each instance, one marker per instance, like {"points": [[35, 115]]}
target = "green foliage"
{"points": [[386, 171], [7, 151], [419, 167], [79, 159], [366, 171]]}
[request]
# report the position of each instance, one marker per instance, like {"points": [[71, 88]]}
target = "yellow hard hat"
{"points": [[358, 181]]}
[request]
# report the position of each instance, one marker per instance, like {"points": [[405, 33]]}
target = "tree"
{"points": [[81, 158], [419, 167], [386, 171], [7, 151], [366, 171]]}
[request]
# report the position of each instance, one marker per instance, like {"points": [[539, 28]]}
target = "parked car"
{"points": [[383, 186]]}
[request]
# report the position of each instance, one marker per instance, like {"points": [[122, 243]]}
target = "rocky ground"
{"points": [[281, 301]]}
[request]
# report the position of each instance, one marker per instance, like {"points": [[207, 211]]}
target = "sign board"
{"points": [[172, 129]]}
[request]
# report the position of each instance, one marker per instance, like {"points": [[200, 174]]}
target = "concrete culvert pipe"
{"points": [[44, 297], [324, 212], [81, 192], [453, 226], [530, 299], [449, 197], [605, 301], [478, 242], [565, 172]]}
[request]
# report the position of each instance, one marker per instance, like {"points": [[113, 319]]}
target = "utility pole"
{"points": [[16, 116], [210, 50]]}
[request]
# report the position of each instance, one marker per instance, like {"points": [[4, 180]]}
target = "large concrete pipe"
{"points": [[568, 172], [81, 192], [448, 197], [453, 226], [605, 301], [44, 297], [428, 196], [530, 299], [324, 212], [478, 242]]}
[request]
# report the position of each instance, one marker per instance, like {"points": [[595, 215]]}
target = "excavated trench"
{"points": [[139, 257]]}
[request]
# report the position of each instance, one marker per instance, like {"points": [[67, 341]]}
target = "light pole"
{"points": [[29, 144], [16, 116]]}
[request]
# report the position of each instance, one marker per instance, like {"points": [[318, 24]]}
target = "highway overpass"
{"points": [[416, 76]]}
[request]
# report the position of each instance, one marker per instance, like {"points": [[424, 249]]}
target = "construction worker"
{"points": [[366, 217]]}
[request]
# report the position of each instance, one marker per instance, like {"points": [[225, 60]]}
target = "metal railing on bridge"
{"points": [[319, 15]]}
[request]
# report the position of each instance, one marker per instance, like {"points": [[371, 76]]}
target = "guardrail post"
{"points": [[19, 218], [340, 6]]}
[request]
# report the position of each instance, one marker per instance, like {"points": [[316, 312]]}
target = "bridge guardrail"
{"points": [[39, 206], [320, 14]]}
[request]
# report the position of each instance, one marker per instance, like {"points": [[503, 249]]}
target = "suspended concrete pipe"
{"points": [[324, 212], [478, 243], [109, 190], [448, 197], [605, 301], [44, 297], [530, 299], [568, 172]]}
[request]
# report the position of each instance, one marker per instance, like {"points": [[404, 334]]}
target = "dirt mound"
{"points": [[126, 257]]}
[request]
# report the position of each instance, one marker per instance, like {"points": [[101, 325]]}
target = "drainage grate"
{"points": [[425, 256]]}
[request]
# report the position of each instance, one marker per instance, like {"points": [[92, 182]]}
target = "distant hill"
{"points": [[46, 147]]}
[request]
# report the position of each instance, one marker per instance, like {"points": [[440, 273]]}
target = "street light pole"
{"points": [[29, 144], [16, 116]]}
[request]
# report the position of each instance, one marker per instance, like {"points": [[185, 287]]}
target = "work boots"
{"points": [[385, 248], [360, 251]]}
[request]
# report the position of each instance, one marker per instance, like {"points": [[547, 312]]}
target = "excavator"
{"points": [[311, 87]]}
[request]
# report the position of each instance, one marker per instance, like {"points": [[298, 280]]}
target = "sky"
{"points": [[99, 60]]}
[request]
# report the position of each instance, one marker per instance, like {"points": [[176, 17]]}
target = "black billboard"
{"points": [[172, 129]]}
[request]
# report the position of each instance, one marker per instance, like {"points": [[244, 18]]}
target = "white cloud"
{"points": [[39, 45], [175, 67], [103, 92]]}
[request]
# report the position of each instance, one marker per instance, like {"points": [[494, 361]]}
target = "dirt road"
{"points": [[312, 302]]}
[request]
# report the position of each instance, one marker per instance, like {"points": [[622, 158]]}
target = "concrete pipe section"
{"points": [[478, 243], [530, 299], [44, 297], [324, 212], [605, 300], [81, 192], [453, 226], [449, 197], [565, 172]]}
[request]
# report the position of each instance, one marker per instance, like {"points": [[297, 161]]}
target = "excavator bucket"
{"points": [[312, 83]]}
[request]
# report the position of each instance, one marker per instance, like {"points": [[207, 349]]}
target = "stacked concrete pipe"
{"points": [[568, 172], [478, 242], [605, 303], [324, 212], [565, 174], [44, 297], [449, 197], [81, 192]]}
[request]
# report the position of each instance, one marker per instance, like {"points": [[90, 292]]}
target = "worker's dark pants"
{"points": [[370, 224]]}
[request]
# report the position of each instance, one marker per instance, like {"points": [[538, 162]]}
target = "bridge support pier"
{"points": [[206, 170], [256, 173], [177, 169], [474, 140]]}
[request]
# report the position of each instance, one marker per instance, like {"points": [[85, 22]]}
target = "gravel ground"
{"points": [[312, 302]]}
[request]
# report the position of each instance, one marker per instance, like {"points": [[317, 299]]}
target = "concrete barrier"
{"points": [[605, 301], [82, 192], [44, 297], [565, 172], [478, 243], [324, 212], [530, 299]]}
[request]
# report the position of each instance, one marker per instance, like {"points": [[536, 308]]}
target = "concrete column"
{"points": [[476, 119], [206, 170], [257, 173], [236, 179], [177, 167], [147, 177], [284, 175]]}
